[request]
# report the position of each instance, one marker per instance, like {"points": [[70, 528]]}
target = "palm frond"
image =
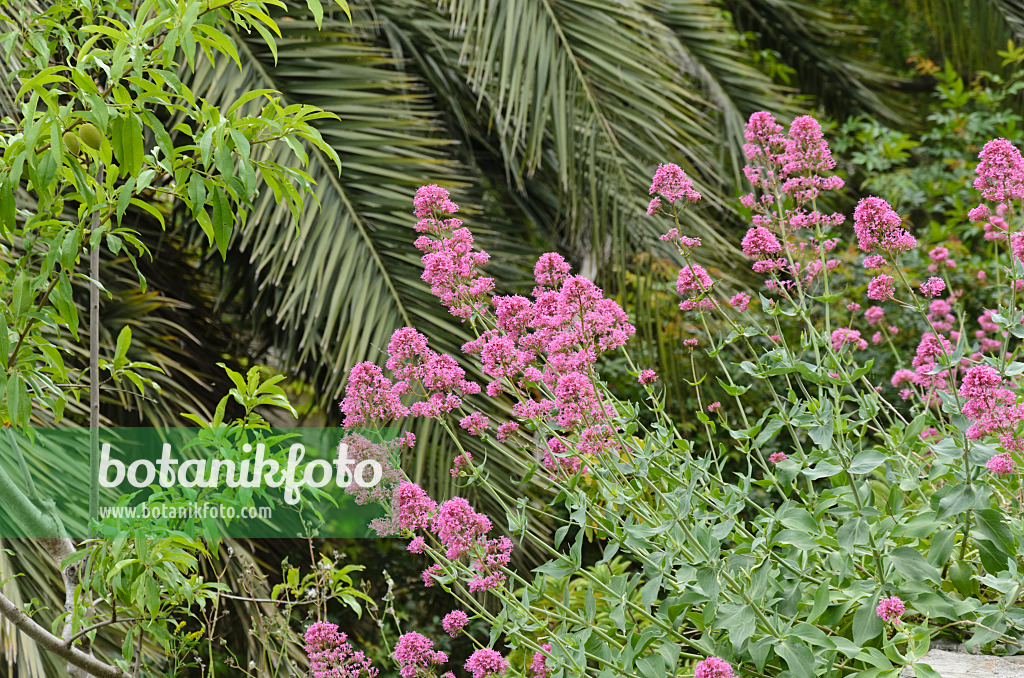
{"points": [[815, 42], [970, 32], [582, 98], [713, 54], [328, 293]]}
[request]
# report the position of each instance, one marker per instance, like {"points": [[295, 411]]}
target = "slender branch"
{"points": [[94, 371], [31, 322], [247, 599], [108, 622], [54, 644]]}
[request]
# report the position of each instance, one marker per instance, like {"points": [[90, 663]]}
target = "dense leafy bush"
{"points": [[893, 499]]}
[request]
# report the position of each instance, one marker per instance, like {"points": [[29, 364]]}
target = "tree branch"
{"points": [[52, 643]]}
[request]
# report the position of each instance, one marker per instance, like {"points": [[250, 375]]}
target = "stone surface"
{"points": [[961, 665]]}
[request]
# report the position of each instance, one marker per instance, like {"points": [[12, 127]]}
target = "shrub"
{"points": [[894, 512]]}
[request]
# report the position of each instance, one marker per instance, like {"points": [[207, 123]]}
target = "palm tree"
{"points": [[545, 118]]}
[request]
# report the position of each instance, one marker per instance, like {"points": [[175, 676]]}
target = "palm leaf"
{"points": [[816, 42]]}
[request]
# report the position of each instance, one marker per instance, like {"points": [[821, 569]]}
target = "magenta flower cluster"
{"points": [[454, 622], [460, 531], [991, 408], [416, 656], [485, 663], [332, 656], [890, 609], [713, 667], [671, 183], [788, 172], [539, 666]]}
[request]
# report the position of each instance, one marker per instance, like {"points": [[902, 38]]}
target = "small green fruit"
{"points": [[71, 143], [90, 135]]}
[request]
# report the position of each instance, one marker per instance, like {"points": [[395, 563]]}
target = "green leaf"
{"points": [[222, 221], [318, 11], [912, 565], [737, 621], [799, 658], [925, 671], [867, 461], [124, 340], [866, 624], [953, 500]]}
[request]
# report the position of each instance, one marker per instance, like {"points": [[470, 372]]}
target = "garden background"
{"points": [[546, 121]]}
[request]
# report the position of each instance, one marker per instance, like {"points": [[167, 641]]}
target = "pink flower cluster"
{"points": [[844, 336], [486, 662], [450, 262], [890, 609], [435, 378], [694, 283], [991, 407], [1000, 178], [332, 656], [1000, 172], [1001, 464], [359, 449], [539, 665], [793, 167], [416, 656], [454, 622], [713, 667], [461, 532], [671, 183], [877, 226]]}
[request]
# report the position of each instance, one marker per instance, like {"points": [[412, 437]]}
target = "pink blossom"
{"points": [[693, 280], [654, 206], [369, 396], [877, 226], [1001, 464], [458, 527], [760, 243], [933, 287], [713, 667], [714, 407], [765, 141], [777, 457], [539, 665], [890, 609], [433, 199], [417, 545], [506, 430], [332, 656], [551, 271], [486, 662], [740, 301], [416, 656], [454, 622], [1000, 171], [874, 315], [845, 336], [673, 184], [431, 575], [647, 377], [451, 268], [461, 461], [875, 262], [415, 510], [476, 423], [881, 288]]}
